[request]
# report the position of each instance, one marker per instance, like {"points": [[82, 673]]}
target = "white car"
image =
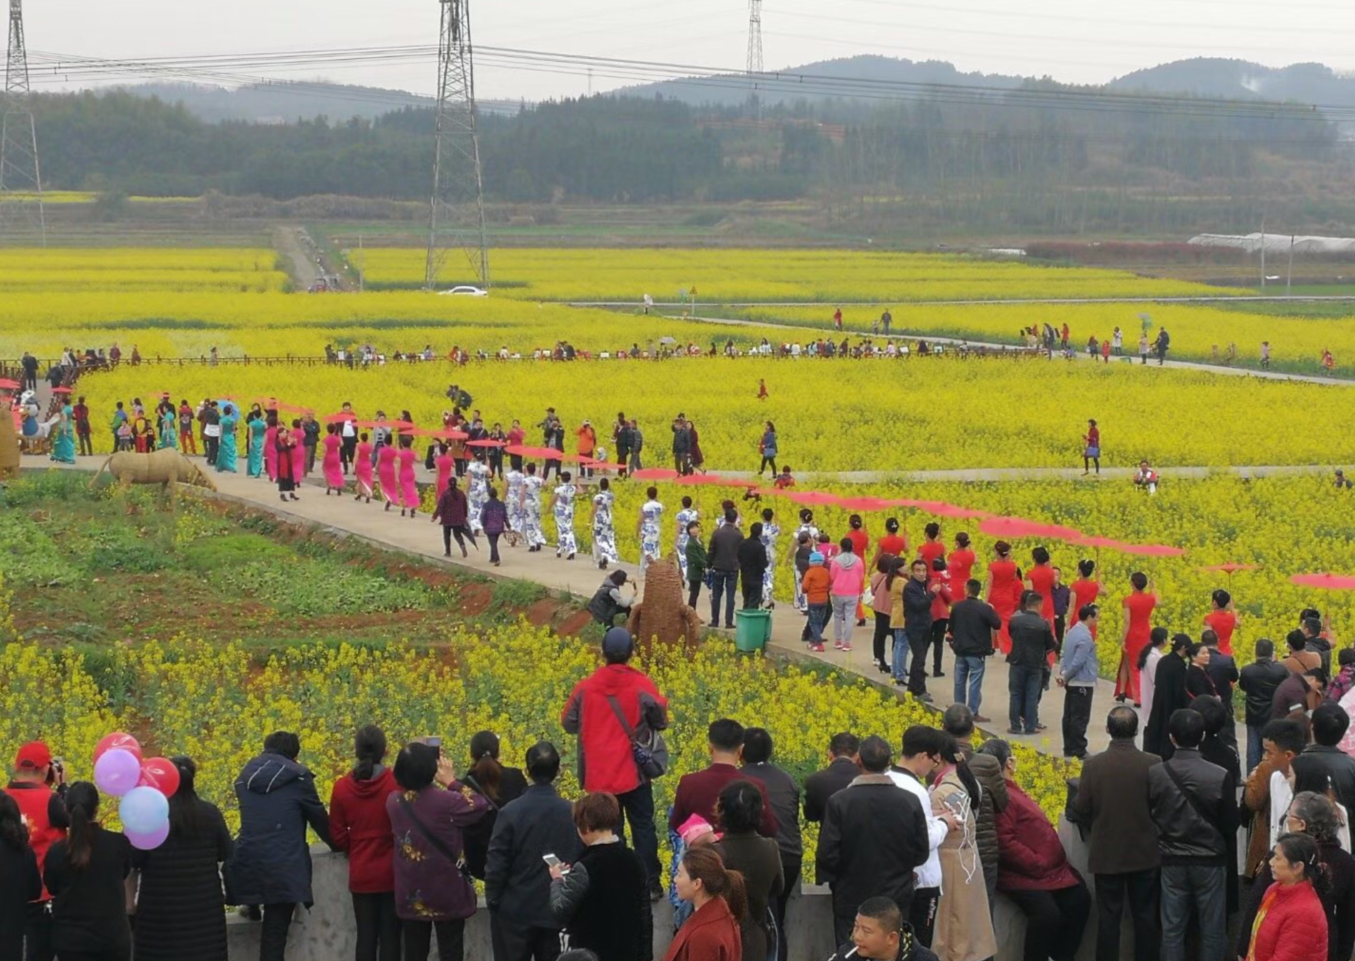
{"points": [[464, 291]]}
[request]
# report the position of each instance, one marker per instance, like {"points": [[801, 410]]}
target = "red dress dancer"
{"points": [[1041, 578], [409, 489], [1085, 591], [385, 473], [362, 469], [443, 463], [1138, 612], [960, 564], [270, 452], [298, 454], [333, 463], [1004, 585]]}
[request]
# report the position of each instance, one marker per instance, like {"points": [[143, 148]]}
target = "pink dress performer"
{"points": [[362, 469], [298, 456], [444, 464], [270, 453], [408, 487], [385, 473], [333, 463]]}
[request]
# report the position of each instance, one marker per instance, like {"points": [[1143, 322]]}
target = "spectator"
{"points": [[964, 923], [1300, 659], [1292, 923], [1194, 806], [1258, 681], [600, 899], [1315, 640], [1033, 870], [752, 557], [517, 885], [756, 859], [1298, 692], [974, 627], [180, 910], [873, 838], [1312, 814], [848, 573], [499, 785], [1214, 748], [431, 892], [881, 604], [920, 759], [1198, 681], [1112, 796], [712, 933], [271, 864], [1344, 680], [595, 712], [1169, 696], [699, 792], [1077, 675], [917, 597], [1032, 642], [723, 556], [609, 603], [842, 769], [36, 785], [1268, 785], [696, 563], [86, 874], [360, 827], [784, 796], [1322, 766], [20, 882], [879, 933], [815, 584], [958, 722], [1222, 671]]}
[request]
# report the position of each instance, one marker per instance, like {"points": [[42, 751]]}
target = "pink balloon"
{"points": [[117, 772], [117, 739], [150, 840]]}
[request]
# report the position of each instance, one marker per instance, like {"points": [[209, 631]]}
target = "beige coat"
{"points": [[964, 928]]}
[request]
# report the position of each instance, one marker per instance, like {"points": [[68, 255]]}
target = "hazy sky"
{"points": [[1082, 41]]}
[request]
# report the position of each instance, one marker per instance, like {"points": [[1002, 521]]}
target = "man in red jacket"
{"points": [[606, 762], [35, 787]]}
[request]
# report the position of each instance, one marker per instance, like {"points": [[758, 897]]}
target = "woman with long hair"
{"points": [[881, 603], [285, 464], [1290, 922], [85, 874], [755, 858], [1148, 661], [180, 910], [964, 926], [712, 933], [1004, 579], [360, 827], [498, 784], [1138, 614], [1169, 695], [20, 882]]}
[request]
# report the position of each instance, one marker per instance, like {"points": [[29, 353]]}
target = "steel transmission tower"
{"points": [[754, 51], [21, 217], [457, 213]]}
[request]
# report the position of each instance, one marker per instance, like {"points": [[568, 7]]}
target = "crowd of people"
{"points": [[915, 843]]}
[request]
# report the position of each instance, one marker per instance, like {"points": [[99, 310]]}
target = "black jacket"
{"points": [[874, 836], [910, 949], [1318, 767], [1169, 694], [724, 548], [89, 907], [1258, 682], [917, 607], [1032, 640], [180, 900], [272, 862], [972, 623], [603, 902], [19, 884], [476, 836], [1185, 835], [517, 884], [784, 796], [1222, 670], [752, 556], [1113, 795], [822, 785]]}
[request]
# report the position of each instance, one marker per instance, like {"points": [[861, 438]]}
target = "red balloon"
{"points": [[119, 740], [161, 774]]}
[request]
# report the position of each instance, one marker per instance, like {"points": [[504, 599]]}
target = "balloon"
{"points": [[143, 810], [117, 772], [161, 774], [117, 740], [150, 840]]}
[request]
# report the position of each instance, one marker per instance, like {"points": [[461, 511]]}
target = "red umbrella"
{"points": [[546, 453], [1152, 550], [769, 491], [404, 425], [486, 442], [1230, 567], [419, 431], [711, 480], [1099, 542], [7, 384], [448, 434], [1326, 581], [864, 503], [61, 390], [655, 474], [813, 497], [1021, 527], [373, 423], [340, 418]]}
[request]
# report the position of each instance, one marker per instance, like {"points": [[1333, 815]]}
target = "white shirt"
{"points": [[1281, 796], [929, 874]]}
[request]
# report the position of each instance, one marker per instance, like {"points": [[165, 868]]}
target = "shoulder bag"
{"points": [[1195, 803], [439, 845], [651, 753]]}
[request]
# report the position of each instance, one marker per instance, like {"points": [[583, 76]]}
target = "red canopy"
{"points": [[1326, 581], [655, 474], [7, 384], [1021, 527], [864, 503], [1152, 550], [61, 390], [545, 453], [813, 497], [340, 417], [481, 443]]}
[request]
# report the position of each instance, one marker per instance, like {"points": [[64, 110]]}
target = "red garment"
{"points": [[961, 566], [605, 751], [360, 826], [1223, 623], [698, 792], [1041, 578], [1002, 597], [930, 551], [894, 544], [1294, 927], [711, 934], [1030, 857], [942, 598], [1084, 592], [1138, 608], [34, 802], [516, 436], [860, 543]]}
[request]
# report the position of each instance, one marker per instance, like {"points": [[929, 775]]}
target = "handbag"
{"points": [[439, 845], [651, 754]]}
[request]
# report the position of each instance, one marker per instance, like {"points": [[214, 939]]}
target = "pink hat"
{"points": [[693, 828]]}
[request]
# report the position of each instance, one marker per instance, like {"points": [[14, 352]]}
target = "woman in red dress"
{"points": [[1085, 590], [1138, 614], [1004, 581], [1222, 620], [1041, 581], [894, 542], [960, 563], [932, 548], [860, 539]]}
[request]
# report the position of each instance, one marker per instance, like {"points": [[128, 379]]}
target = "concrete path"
{"points": [[580, 577], [984, 302]]}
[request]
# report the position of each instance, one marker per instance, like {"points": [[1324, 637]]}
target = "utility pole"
{"points": [[754, 54], [21, 214], [457, 213]]}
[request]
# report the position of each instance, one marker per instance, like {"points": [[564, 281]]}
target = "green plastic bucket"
{"points": [[753, 629]]}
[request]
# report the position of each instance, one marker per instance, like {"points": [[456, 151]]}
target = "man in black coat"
{"points": [[723, 555], [1222, 670], [271, 866], [842, 769], [874, 837], [1322, 764], [752, 565], [917, 626], [1032, 641], [1258, 681], [517, 882]]}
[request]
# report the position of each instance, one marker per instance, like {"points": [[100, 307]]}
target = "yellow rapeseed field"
{"points": [[57, 271]]}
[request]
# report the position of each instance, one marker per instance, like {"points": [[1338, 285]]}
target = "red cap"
{"points": [[33, 755]]}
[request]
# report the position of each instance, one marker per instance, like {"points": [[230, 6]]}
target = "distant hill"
{"points": [[1243, 80]]}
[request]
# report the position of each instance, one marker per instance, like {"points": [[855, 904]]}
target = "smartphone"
{"points": [[434, 741], [553, 862]]}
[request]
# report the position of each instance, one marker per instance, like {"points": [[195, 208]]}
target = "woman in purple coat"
{"points": [[427, 816]]}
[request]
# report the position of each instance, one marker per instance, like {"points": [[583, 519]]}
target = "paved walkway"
{"points": [[343, 516]]}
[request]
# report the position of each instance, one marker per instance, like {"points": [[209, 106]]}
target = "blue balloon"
{"points": [[143, 811]]}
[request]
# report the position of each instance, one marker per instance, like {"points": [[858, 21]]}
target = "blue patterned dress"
{"points": [[512, 498], [684, 517], [770, 532], [531, 509], [651, 534], [604, 531], [258, 427], [479, 493], [169, 429], [228, 451], [63, 437], [566, 545]]}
